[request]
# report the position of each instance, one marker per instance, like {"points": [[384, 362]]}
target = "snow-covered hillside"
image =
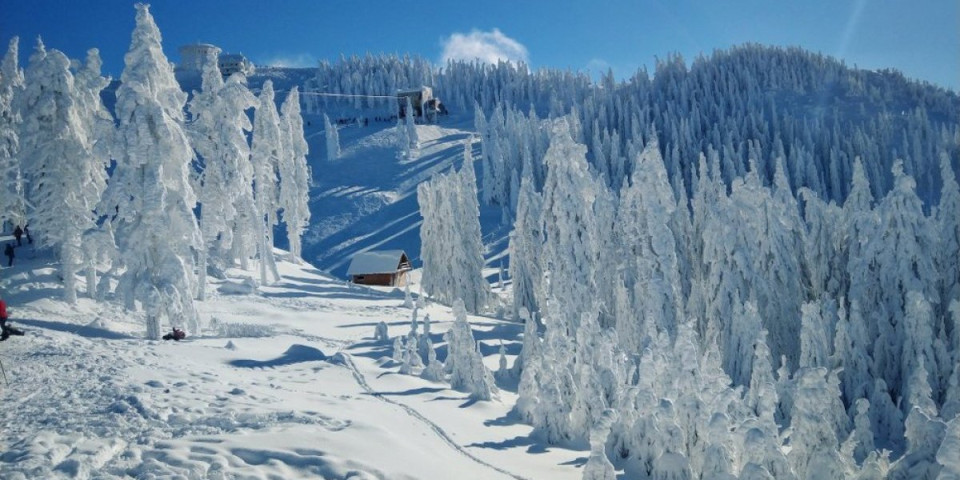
{"points": [[745, 268], [368, 197], [286, 383]]}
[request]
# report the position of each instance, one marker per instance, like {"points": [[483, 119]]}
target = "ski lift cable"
{"points": [[325, 94]]}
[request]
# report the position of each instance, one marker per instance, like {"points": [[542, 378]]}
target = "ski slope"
{"points": [[284, 383], [367, 199]]}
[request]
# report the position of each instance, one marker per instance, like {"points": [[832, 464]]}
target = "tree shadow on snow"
{"points": [[511, 418], [533, 445], [86, 331], [576, 462], [407, 393], [294, 354]]}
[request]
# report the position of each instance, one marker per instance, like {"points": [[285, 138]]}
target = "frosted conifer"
{"points": [[294, 173], [156, 230]]}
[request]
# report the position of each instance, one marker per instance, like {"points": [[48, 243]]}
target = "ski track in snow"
{"points": [[361, 380]]}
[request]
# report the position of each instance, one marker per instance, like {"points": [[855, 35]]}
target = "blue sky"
{"points": [[919, 38]]}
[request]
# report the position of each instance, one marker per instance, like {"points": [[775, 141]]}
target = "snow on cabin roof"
{"points": [[382, 261]]}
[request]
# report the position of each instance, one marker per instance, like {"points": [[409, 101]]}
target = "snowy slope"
{"points": [[290, 385], [367, 199]]}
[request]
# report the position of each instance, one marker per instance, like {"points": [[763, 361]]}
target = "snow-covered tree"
{"points": [[761, 397], [814, 337], [862, 432], [464, 361], [412, 363], [380, 333], [570, 228], [266, 154], [219, 133], [399, 352], [12, 207], [98, 244], [156, 230], [294, 173], [528, 364], [918, 343], [333, 139], [452, 251], [898, 261], [948, 232], [410, 127], [598, 466], [651, 270], [63, 175], [948, 456], [525, 242], [814, 444], [924, 433]]}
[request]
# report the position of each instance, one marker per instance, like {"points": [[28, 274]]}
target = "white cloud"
{"points": [[487, 47], [296, 60]]}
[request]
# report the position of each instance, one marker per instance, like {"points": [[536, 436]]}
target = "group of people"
{"points": [[18, 233]]}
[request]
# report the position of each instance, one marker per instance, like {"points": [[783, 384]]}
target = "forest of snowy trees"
{"points": [[726, 272], [748, 267], [186, 193]]}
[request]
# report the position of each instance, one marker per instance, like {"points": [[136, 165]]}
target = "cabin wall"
{"points": [[382, 279]]}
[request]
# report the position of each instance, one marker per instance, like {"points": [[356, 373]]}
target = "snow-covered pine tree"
{"points": [[219, 131], [399, 352], [97, 243], [598, 466], [433, 370], [333, 139], [466, 368], [761, 397], [266, 154], [918, 343], [525, 245], [651, 270], [528, 363], [380, 333], [814, 337], [63, 176], [12, 207], [474, 290], [947, 223], [948, 456], [572, 240], [814, 444], [156, 230], [899, 261], [862, 431], [295, 175], [925, 433], [452, 252]]}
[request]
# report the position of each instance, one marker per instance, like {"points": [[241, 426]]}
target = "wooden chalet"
{"points": [[384, 267]]}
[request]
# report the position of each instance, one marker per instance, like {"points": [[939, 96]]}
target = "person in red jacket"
{"points": [[6, 331]]}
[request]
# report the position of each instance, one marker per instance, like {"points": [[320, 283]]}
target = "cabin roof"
{"points": [[376, 261]]}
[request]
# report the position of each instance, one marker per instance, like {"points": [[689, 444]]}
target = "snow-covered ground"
{"points": [[284, 383]]}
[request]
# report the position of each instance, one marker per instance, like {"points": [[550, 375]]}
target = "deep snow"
{"points": [[285, 383]]}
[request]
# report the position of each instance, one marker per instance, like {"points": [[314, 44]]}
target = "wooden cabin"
{"points": [[384, 267]]}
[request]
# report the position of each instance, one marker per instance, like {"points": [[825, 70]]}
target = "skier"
{"points": [[6, 331], [26, 231], [18, 232], [8, 251]]}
